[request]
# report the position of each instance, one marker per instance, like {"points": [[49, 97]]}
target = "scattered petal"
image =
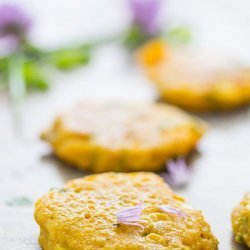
{"points": [[132, 224], [172, 210], [130, 216], [178, 174]]}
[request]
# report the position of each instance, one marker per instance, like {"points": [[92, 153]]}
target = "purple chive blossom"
{"points": [[178, 173], [146, 15], [14, 26], [171, 210], [130, 216]]}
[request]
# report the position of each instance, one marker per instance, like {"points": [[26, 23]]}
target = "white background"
{"points": [[221, 174]]}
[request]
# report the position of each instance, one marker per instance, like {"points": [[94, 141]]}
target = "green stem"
{"points": [[16, 84], [88, 45]]}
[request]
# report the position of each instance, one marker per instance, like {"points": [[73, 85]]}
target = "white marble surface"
{"points": [[220, 175]]}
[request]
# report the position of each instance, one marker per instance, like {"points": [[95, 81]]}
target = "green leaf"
{"points": [[32, 52], [178, 35], [67, 59], [19, 201], [3, 73], [34, 76], [135, 37], [3, 64]]}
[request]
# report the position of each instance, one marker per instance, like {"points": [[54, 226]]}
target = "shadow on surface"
{"points": [[66, 171], [190, 161], [236, 246], [226, 119]]}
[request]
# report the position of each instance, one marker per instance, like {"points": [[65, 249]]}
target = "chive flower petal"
{"points": [[171, 210], [145, 15], [178, 174], [15, 24], [130, 216]]}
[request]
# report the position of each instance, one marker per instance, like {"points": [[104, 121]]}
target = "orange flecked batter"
{"points": [[123, 137], [241, 221], [82, 216], [194, 80]]}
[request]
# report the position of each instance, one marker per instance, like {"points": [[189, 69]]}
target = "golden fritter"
{"points": [[241, 221], [195, 81], [123, 137], [84, 215]]}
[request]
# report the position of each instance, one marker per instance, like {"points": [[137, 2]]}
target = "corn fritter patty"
{"points": [[241, 221], [123, 138], [83, 216], [195, 81]]}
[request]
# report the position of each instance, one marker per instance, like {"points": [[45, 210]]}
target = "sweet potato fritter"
{"points": [[241, 221], [195, 81], [123, 138], [83, 216]]}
